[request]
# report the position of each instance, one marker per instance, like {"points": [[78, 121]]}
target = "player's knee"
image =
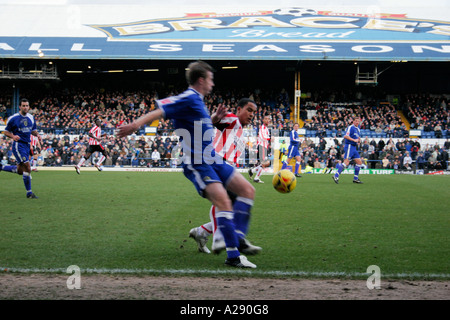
{"points": [[266, 163], [249, 191], [224, 204]]}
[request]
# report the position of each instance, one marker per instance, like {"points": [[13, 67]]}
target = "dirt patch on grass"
{"points": [[113, 287]]}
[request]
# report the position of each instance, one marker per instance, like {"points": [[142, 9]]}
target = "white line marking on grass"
{"points": [[215, 272]]}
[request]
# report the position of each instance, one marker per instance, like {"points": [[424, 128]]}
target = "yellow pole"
{"points": [[297, 97]]}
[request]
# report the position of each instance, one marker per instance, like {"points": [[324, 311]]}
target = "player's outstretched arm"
{"points": [[128, 129], [221, 112]]}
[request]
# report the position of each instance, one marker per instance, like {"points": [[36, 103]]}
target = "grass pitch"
{"points": [[133, 221]]}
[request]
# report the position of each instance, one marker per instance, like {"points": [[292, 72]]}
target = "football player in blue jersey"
{"points": [[209, 173], [293, 151], [352, 140], [19, 127]]}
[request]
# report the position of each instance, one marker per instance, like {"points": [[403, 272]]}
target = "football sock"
{"points": [[12, 169], [27, 182], [258, 172], [212, 217], [82, 160], [102, 158], [206, 229], [357, 168], [217, 235], [226, 225], [241, 208], [341, 168], [297, 166], [284, 166]]}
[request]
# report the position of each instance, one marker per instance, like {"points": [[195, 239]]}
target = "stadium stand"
{"points": [[65, 118]]}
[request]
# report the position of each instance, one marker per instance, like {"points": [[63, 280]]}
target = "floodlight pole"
{"points": [[297, 97]]}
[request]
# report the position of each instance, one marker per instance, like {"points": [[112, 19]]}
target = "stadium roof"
{"points": [[256, 30]]}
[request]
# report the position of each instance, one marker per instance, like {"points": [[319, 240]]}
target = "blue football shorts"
{"points": [[351, 152], [293, 152], [203, 174], [21, 151]]}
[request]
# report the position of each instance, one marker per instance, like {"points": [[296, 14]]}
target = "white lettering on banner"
{"points": [[259, 21], [322, 22], [390, 25], [377, 49], [419, 49], [37, 47], [189, 25], [147, 28], [80, 47], [439, 50], [218, 48], [441, 30], [316, 48], [5, 46], [264, 34], [316, 22], [164, 47], [267, 47]]}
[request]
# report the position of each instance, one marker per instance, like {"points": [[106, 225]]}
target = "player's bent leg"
{"points": [[200, 235], [218, 242], [25, 169], [240, 186], [242, 211], [218, 196], [357, 169]]}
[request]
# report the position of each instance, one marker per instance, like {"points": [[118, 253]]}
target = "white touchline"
{"points": [[224, 272]]}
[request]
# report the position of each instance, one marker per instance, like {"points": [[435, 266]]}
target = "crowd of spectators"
{"points": [[427, 114], [382, 119], [73, 112], [398, 154], [137, 151]]}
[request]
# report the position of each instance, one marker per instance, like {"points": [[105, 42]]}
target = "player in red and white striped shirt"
{"points": [[35, 150], [95, 138], [263, 146], [227, 141], [229, 144]]}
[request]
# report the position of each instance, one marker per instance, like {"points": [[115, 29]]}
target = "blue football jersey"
{"points": [[354, 133], [21, 126], [295, 140], [192, 123]]}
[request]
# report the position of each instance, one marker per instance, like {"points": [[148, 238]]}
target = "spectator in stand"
{"points": [[421, 161], [386, 164], [156, 157], [373, 159], [438, 130], [407, 161], [447, 144], [444, 158]]}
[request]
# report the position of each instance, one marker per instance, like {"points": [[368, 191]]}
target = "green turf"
{"points": [[138, 220]]}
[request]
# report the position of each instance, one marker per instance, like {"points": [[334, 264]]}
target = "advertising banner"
{"points": [[263, 33]]}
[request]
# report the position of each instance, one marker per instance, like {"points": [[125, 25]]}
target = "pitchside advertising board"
{"points": [[289, 33]]}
